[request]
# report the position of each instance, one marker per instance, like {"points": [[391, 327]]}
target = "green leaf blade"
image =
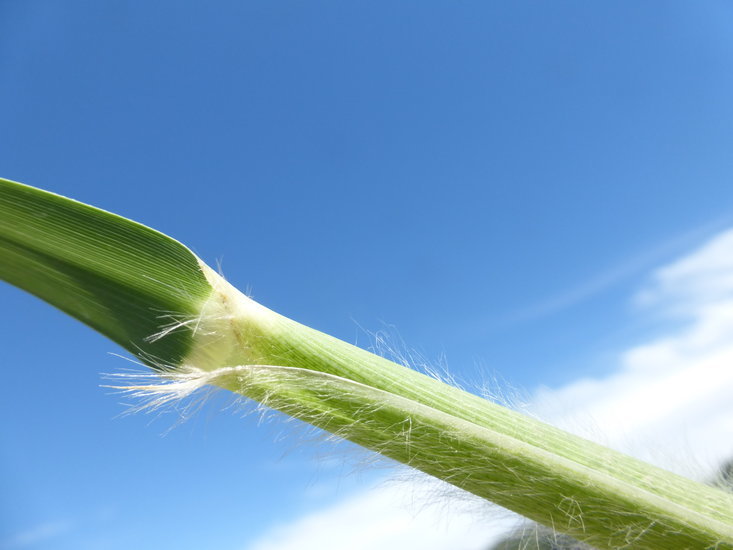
{"points": [[117, 276]]}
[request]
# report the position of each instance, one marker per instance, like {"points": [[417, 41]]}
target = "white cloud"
{"points": [[670, 402], [702, 279], [393, 516]]}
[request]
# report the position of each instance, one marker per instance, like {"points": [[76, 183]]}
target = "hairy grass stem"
{"points": [[153, 296]]}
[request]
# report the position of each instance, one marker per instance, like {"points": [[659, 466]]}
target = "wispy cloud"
{"points": [[689, 285], [668, 402], [608, 278], [43, 532]]}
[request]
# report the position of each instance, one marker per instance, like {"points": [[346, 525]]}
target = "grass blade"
{"points": [[153, 296], [117, 276]]}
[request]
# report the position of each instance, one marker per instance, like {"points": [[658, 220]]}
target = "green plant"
{"points": [[154, 297]]}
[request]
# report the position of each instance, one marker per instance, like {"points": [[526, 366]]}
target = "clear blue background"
{"points": [[490, 178]]}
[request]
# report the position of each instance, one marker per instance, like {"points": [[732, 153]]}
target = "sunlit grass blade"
{"points": [[153, 296], [119, 277]]}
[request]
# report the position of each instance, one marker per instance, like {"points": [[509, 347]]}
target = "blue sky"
{"points": [[490, 182]]}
